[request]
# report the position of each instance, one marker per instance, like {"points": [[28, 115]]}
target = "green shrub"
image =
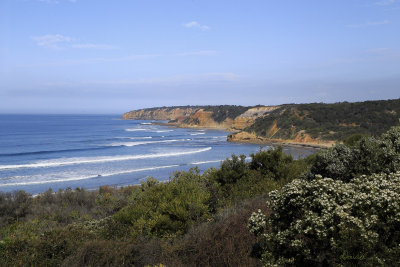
{"points": [[353, 139], [231, 170], [237, 180], [14, 207], [326, 222], [168, 209], [224, 241], [367, 156], [272, 162]]}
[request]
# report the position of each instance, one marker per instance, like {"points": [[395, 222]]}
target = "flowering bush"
{"points": [[367, 156], [330, 222]]}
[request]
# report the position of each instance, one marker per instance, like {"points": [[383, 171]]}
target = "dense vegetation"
{"points": [[223, 112], [201, 219], [351, 217], [194, 219], [328, 121], [326, 222]]}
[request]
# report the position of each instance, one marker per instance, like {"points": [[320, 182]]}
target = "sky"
{"points": [[112, 56]]}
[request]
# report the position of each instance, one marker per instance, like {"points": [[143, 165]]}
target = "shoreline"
{"points": [[255, 140], [282, 143], [171, 125], [308, 149]]}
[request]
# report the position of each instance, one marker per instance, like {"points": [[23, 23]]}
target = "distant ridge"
{"points": [[314, 124]]}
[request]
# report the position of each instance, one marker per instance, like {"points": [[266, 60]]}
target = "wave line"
{"points": [[87, 177], [74, 161]]}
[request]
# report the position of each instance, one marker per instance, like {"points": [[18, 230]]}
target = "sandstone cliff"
{"points": [[160, 113], [220, 118], [247, 118], [315, 124], [231, 118]]}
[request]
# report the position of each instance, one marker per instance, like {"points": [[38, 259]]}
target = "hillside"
{"points": [[327, 122], [315, 124]]}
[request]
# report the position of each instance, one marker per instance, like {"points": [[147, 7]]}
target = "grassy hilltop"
{"points": [[328, 121]]}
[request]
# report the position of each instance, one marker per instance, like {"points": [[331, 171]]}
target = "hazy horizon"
{"points": [[121, 113], [110, 57]]}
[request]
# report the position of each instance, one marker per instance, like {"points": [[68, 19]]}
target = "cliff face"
{"points": [[314, 124], [201, 117], [248, 118], [159, 113]]}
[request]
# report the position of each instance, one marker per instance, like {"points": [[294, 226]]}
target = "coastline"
{"points": [[286, 143], [253, 139], [116, 145]]}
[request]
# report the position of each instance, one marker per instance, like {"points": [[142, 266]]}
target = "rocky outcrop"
{"points": [[247, 118], [203, 119], [304, 141]]}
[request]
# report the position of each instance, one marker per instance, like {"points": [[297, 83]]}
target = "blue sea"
{"points": [[38, 152]]}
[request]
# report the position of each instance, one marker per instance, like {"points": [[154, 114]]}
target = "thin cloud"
{"points": [[59, 41], [369, 24], [51, 41], [386, 2], [196, 25], [94, 46]]}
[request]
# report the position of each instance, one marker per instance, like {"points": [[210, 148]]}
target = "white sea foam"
{"points": [[85, 160], [135, 130], [163, 131], [197, 133], [141, 143], [81, 177], [146, 123], [135, 138], [205, 162]]}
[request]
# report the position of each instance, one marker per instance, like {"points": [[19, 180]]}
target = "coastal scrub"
{"points": [[329, 222]]}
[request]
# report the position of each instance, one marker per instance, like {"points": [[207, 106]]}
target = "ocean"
{"points": [[38, 152]]}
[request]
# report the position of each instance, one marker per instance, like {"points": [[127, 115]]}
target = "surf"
{"points": [[90, 160], [83, 177]]}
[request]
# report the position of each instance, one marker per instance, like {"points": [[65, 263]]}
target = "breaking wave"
{"points": [[88, 160], [82, 177]]}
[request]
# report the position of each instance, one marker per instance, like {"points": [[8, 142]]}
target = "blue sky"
{"points": [[103, 56]]}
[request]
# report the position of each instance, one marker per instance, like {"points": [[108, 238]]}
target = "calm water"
{"points": [[38, 152]]}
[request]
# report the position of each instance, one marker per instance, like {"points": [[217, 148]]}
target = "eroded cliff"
{"points": [[233, 118], [315, 124], [164, 113]]}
